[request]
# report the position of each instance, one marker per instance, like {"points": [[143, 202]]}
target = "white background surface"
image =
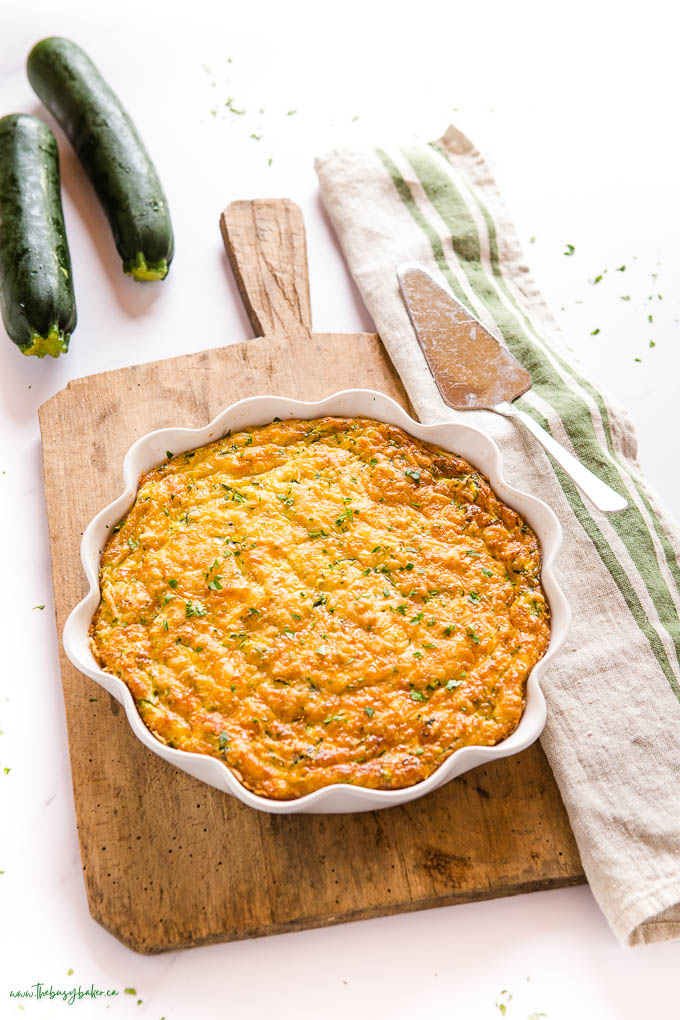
{"points": [[577, 106]]}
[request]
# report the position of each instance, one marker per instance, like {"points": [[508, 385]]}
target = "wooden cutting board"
{"points": [[169, 862]]}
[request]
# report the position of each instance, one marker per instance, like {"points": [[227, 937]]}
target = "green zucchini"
{"points": [[111, 151], [36, 283]]}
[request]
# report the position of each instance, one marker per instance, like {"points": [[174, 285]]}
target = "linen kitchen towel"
{"points": [[613, 732]]}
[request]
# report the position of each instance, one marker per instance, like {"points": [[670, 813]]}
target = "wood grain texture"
{"points": [[265, 241], [169, 862]]}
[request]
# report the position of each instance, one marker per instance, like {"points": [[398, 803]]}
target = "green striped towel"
{"points": [[613, 731]]}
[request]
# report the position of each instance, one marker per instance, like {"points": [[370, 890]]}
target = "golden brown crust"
{"points": [[322, 601]]}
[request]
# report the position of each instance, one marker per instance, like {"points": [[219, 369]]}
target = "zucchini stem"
{"points": [[55, 343], [140, 269]]}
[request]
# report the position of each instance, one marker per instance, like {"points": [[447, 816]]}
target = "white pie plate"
{"points": [[472, 444]]}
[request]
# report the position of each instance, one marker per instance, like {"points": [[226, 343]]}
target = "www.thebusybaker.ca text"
{"points": [[69, 995]]}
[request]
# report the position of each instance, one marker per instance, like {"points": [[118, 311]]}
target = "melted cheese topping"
{"points": [[317, 602]]}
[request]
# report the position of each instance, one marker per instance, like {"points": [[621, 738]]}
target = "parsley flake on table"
{"points": [[230, 106], [594, 332], [38, 607], [570, 250]]}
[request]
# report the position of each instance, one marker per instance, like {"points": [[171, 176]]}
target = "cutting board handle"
{"points": [[265, 242]]}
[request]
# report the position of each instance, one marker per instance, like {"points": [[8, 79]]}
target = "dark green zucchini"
{"points": [[36, 283], [111, 151]]}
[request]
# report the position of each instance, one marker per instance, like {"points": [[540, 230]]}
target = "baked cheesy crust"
{"points": [[325, 601]]}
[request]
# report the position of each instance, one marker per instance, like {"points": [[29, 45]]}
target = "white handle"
{"points": [[597, 491]]}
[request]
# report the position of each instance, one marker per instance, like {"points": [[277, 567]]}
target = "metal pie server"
{"points": [[473, 371]]}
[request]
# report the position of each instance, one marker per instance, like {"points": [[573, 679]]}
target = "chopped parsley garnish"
{"points": [[472, 633], [194, 609], [452, 684], [233, 494], [216, 583], [471, 552], [320, 600], [487, 572], [345, 518], [370, 712], [417, 696], [412, 473], [473, 596], [449, 630], [133, 543], [417, 618], [224, 739], [169, 454], [173, 582]]}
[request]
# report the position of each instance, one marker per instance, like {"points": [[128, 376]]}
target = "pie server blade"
{"points": [[473, 371]]}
